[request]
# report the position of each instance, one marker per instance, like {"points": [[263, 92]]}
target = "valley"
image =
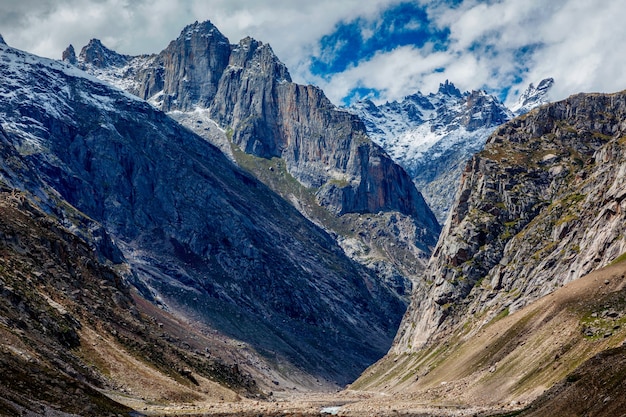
{"points": [[192, 233]]}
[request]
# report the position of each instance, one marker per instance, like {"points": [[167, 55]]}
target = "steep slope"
{"points": [[71, 330], [595, 388], [566, 350], [202, 237], [540, 206], [433, 136], [241, 98]]}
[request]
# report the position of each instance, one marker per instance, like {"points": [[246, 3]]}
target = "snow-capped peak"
{"points": [[533, 97], [431, 136], [449, 89]]}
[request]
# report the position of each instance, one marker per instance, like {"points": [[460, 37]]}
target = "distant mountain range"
{"points": [[433, 136]]}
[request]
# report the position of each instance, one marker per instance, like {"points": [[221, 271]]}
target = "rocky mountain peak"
{"points": [[2, 42], [99, 56], [255, 54], [533, 97], [202, 29], [484, 110], [69, 55], [449, 89], [191, 67], [432, 136]]}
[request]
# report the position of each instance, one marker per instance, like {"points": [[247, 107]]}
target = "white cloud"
{"points": [[395, 74], [578, 42]]}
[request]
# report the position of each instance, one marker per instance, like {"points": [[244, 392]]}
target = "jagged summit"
{"points": [[449, 89], [2, 42], [245, 50], [69, 55], [432, 136], [99, 56], [205, 29], [533, 97]]}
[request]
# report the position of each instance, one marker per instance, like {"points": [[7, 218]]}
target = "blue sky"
{"points": [[383, 49]]}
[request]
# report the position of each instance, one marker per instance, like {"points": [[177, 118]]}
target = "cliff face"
{"points": [[200, 235], [261, 114], [541, 205]]}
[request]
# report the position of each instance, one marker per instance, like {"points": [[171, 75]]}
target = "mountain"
{"points": [[74, 333], [540, 206], [240, 97], [533, 97], [526, 305], [189, 230], [561, 355], [433, 136]]}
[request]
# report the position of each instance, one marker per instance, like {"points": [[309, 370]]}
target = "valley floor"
{"points": [[587, 378], [346, 403]]}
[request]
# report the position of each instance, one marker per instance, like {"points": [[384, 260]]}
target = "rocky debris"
{"points": [[592, 389], [541, 205]]}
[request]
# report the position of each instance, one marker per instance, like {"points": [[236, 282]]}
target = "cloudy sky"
{"points": [[383, 49]]}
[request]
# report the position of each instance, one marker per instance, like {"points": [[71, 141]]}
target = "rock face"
{"points": [[98, 55], [433, 136], [201, 236], [248, 90], [541, 205], [200, 79]]}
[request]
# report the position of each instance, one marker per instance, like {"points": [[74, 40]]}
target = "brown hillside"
{"points": [[515, 358]]}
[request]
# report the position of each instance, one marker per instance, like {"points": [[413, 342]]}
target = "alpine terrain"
{"points": [[112, 208], [527, 281], [317, 156], [433, 136], [192, 233]]}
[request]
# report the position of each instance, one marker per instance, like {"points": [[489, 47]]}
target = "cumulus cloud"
{"points": [[502, 46], [498, 45]]}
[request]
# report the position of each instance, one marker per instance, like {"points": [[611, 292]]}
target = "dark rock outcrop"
{"points": [[99, 56], [69, 55]]}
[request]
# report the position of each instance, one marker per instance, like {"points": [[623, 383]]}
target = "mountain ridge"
{"points": [[433, 136], [199, 234], [537, 208], [250, 109]]}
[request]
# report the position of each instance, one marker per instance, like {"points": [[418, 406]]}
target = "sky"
{"points": [[352, 49]]}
